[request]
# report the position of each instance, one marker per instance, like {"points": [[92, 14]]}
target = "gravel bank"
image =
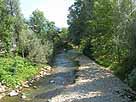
{"points": [[93, 84]]}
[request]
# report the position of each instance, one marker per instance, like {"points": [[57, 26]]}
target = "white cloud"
{"points": [[55, 10]]}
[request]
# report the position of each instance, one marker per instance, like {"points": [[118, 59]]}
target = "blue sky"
{"points": [[54, 10]]}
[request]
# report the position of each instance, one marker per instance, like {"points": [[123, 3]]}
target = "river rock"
{"points": [[48, 68], [52, 81], [26, 86], [13, 93], [23, 96], [35, 87], [2, 95], [2, 89]]}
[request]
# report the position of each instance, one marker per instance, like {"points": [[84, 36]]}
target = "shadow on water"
{"points": [[51, 85]]}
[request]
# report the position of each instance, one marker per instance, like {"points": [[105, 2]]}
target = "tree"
{"points": [[11, 22], [37, 22], [74, 21], [41, 26], [44, 36]]}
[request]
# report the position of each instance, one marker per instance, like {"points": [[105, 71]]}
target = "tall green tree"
{"points": [[41, 26], [74, 21], [11, 22], [38, 22]]}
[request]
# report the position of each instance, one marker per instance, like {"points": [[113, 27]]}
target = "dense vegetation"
{"points": [[105, 31], [24, 43], [14, 70]]}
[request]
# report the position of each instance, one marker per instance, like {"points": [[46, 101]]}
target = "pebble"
{"points": [[2, 95], [35, 87], [13, 93], [2, 89], [23, 97], [26, 86], [49, 68], [52, 81]]}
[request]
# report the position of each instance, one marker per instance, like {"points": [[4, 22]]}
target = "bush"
{"points": [[37, 50], [40, 53], [132, 79], [14, 70], [25, 39]]}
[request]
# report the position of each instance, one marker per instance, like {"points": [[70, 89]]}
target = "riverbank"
{"points": [[50, 85], [7, 91]]}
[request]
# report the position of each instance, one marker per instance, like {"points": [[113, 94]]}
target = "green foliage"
{"points": [[11, 22], [14, 70], [34, 48], [34, 39], [38, 22], [75, 31], [105, 31], [44, 38], [40, 53], [25, 39], [63, 34], [132, 79], [41, 26]]}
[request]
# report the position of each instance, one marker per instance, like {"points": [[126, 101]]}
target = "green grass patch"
{"points": [[14, 70]]}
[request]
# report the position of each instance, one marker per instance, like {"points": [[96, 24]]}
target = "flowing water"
{"points": [[51, 85]]}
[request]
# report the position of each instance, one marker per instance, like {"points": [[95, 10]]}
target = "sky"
{"points": [[54, 10]]}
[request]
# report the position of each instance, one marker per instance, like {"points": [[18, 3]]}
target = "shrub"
{"points": [[40, 53], [36, 50], [132, 79], [25, 39], [14, 70]]}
